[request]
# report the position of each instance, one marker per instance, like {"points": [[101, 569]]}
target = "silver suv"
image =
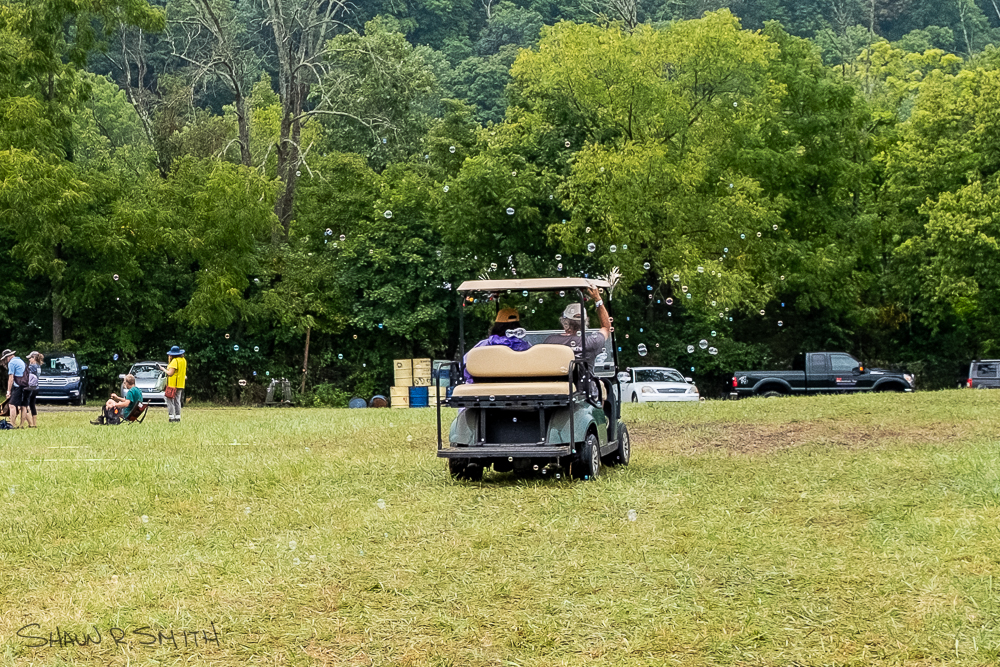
{"points": [[984, 374]]}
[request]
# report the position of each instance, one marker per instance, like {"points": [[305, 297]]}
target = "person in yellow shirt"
{"points": [[176, 370]]}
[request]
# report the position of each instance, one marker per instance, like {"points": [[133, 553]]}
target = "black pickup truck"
{"points": [[820, 373]]}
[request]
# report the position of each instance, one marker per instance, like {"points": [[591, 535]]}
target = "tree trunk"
{"points": [[57, 319], [243, 123], [305, 362]]}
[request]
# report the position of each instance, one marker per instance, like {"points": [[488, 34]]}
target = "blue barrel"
{"points": [[418, 397], [357, 403]]}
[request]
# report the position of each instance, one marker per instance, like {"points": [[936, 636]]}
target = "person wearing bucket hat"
{"points": [[506, 330], [17, 380], [176, 370], [573, 321]]}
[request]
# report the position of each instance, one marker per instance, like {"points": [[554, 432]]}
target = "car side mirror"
{"points": [[688, 380], [858, 370], [624, 377], [121, 376]]}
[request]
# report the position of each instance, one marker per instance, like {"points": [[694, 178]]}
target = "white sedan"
{"points": [[654, 385]]}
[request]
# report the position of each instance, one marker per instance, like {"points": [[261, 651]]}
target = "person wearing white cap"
{"points": [[17, 380], [573, 322]]}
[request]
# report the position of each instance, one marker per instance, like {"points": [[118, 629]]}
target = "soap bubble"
{"points": [[780, 323], [409, 438], [148, 537], [493, 265], [690, 349], [340, 356], [562, 293], [670, 301], [642, 350], [540, 300], [713, 303], [725, 250], [144, 518], [558, 257], [343, 237], [559, 267], [632, 515], [227, 336], [380, 504], [588, 230], [782, 277], [614, 248], [774, 227], [115, 276], [328, 232], [703, 343], [677, 277], [591, 247], [451, 149], [510, 211], [701, 269], [713, 351], [236, 348], [649, 288], [645, 265], [387, 214], [684, 288], [292, 544], [743, 236], [446, 188], [242, 383], [115, 356], [524, 293], [762, 312], [758, 234], [624, 246], [355, 336], [566, 144], [516, 333]]}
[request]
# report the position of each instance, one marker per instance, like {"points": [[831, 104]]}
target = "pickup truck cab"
{"points": [[820, 373]]}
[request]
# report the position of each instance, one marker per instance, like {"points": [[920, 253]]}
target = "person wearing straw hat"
{"points": [[507, 321], [17, 380], [176, 371]]}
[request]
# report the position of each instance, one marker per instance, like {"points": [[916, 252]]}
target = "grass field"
{"points": [[807, 531]]}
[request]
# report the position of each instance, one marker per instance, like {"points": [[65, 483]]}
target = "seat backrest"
{"points": [[499, 361], [134, 414]]}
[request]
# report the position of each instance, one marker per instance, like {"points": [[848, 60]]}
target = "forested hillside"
{"points": [[772, 175]]}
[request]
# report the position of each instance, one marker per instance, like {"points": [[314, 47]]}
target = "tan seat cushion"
{"points": [[487, 389], [499, 361]]}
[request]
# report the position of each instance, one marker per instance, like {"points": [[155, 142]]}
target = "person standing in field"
{"points": [[176, 370], [35, 361], [17, 380]]}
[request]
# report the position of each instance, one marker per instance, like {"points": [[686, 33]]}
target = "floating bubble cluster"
{"points": [[642, 350], [713, 351]]}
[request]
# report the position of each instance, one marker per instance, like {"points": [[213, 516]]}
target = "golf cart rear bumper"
{"points": [[487, 451]]}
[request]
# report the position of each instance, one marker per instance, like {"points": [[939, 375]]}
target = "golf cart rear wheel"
{"points": [[621, 456], [461, 469], [588, 462]]}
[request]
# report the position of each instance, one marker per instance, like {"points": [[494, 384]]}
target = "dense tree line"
{"points": [[235, 177]]}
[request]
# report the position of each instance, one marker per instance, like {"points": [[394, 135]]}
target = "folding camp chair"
{"points": [[136, 416]]}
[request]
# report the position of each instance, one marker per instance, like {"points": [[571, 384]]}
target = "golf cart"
{"points": [[541, 409]]}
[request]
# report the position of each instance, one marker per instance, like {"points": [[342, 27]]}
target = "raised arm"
{"points": [[602, 312]]}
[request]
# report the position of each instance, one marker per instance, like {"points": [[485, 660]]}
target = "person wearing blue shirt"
{"points": [[16, 381]]}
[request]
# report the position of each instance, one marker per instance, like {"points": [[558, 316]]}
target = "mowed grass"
{"points": [[807, 531]]}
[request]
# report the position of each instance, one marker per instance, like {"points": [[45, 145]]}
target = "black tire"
{"points": [[461, 469], [75, 401], [622, 455], [891, 388], [588, 459], [635, 398], [772, 394]]}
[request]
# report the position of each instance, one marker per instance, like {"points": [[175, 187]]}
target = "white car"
{"points": [[653, 385]]}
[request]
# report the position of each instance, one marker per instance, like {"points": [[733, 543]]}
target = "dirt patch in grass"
{"points": [[737, 438]]}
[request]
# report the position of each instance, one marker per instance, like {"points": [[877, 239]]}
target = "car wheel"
{"points": [[75, 401], [588, 462], [621, 455], [635, 398], [461, 469], [772, 394]]}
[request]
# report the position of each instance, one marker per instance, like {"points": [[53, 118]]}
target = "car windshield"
{"points": [[658, 375], [59, 366], [146, 372]]}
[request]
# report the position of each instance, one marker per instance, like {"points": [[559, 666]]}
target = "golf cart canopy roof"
{"points": [[531, 284]]}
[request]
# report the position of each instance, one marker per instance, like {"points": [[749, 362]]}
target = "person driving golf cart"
{"points": [[506, 322]]}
